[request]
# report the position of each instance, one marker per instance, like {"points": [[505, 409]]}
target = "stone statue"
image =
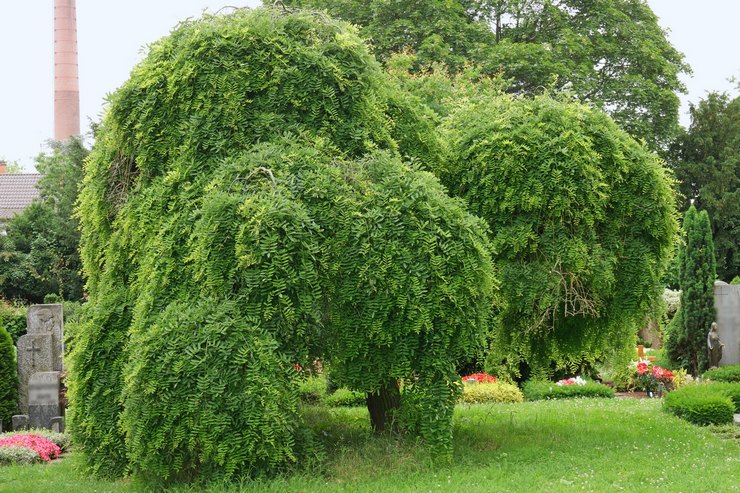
{"points": [[714, 346]]}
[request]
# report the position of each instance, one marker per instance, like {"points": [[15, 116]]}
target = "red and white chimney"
{"points": [[66, 79], [3, 167]]}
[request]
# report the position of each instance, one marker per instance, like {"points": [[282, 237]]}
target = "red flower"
{"points": [[479, 378], [642, 368]]}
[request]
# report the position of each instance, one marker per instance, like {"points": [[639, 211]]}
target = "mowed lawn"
{"points": [[546, 446]]}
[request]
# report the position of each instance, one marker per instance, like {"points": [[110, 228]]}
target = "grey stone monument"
{"points": [[727, 303], [40, 351], [43, 399]]}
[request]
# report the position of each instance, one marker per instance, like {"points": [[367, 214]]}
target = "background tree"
{"points": [[612, 53], [707, 163], [687, 333], [40, 254], [245, 208], [582, 221]]}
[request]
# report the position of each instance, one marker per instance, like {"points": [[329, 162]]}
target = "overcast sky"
{"points": [[111, 35]]}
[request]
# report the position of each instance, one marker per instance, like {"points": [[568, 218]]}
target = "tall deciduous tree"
{"points": [[687, 335], [707, 164], [40, 253], [610, 53]]}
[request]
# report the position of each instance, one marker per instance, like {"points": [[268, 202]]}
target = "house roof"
{"points": [[17, 191]]}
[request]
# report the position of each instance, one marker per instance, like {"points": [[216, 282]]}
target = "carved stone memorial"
{"points": [[40, 356], [43, 399]]}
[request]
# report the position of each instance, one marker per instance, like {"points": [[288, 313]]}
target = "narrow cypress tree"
{"points": [[696, 279], [8, 378]]}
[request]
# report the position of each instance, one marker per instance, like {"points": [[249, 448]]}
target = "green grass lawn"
{"points": [[544, 446]]}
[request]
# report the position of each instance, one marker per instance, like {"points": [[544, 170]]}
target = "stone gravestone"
{"points": [[43, 399], [41, 350], [727, 303]]}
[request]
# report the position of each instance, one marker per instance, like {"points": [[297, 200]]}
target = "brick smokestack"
{"points": [[66, 80], [3, 167]]}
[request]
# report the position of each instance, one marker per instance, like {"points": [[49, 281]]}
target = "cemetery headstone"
{"points": [[43, 399], [40, 352], [727, 303]]}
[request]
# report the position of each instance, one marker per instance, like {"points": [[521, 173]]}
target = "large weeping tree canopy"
{"points": [[244, 209], [582, 220]]}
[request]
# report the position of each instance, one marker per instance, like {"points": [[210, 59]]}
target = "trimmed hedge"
{"points": [[729, 373], [345, 398], [731, 390], [313, 389], [536, 390], [701, 404], [479, 393]]}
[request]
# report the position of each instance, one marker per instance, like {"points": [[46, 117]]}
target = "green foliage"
{"points": [[13, 318], [582, 224], [18, 456], [201, 221], [701, 404], [735, 280], [312, 389], [345, 398], [537, 390], [40, 255], [707, 163], [574, 45], [8, 378], [687, 333], [729, 373], [731, 390], [207, 396], [489, 393]]}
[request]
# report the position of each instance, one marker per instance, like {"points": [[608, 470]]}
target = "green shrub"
{"points": [[345, 398], [479, 393], [8, 378], [312, 390], [731, 390], [537, 390], [730, 373], [701, 404], [18, 456]]}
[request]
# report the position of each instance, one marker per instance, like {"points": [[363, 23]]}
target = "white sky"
{"points": [[111, 35]]}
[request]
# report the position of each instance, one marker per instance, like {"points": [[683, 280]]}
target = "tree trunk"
{"points": [[382, 406]]}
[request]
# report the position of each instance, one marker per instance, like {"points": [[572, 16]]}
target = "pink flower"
{"points": [[642, 367], [47, 450]]}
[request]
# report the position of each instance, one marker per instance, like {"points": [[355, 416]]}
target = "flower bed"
{"points": [[479, 378], [45, 449]]}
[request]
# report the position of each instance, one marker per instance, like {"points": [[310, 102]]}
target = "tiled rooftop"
{"points": [[17, 191]]}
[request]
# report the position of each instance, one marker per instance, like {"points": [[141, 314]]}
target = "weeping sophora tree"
{"points": [[245, 209], [582, 221]]}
